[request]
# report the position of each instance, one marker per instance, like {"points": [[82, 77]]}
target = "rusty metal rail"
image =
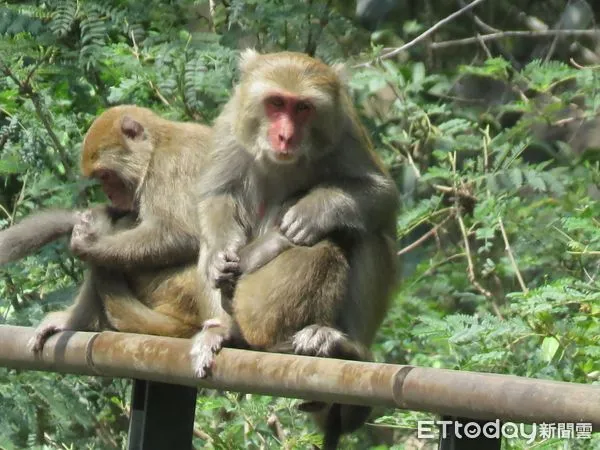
{"points": [[447, 392]]}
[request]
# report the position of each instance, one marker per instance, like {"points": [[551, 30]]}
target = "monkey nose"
{"points": [[285, 141]]}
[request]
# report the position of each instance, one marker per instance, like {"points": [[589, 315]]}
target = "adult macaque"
{"points": [[142, 252], [291, 132]]}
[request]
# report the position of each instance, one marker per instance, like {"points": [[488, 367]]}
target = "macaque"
{"points": [[290, 134], [148, 165], [142, 251]]}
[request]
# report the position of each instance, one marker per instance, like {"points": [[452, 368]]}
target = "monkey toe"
{"points": [[230, 255], [317, 340]]}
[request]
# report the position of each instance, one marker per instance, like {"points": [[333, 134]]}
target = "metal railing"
{"points": [[166, 360]]}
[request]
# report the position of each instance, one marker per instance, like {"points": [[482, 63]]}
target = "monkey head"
{"points": [[116, 151], [289, 107]]}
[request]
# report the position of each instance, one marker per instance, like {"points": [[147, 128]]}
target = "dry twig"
{"points": [[507, 34], [512, 257], [423, 238], [425, 34], [275, 426], [136, 53]]}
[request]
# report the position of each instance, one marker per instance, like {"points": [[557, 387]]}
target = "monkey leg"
{"points": [[84, 315], [302, 286], [128, 313]]}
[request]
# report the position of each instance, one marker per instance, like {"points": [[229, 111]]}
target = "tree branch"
{"points": [[508, 34], [425, 34]]}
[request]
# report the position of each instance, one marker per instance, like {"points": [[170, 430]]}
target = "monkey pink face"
{"points": [[288, 117], [115, 189]]}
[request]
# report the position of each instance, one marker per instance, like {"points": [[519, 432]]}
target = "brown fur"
{"points": [[322, 270]]}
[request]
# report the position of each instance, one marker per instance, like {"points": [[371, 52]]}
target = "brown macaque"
{"points": [[291, 134], [141, 252]]}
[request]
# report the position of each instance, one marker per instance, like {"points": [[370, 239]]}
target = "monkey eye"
{"points": [[302, 106], [276, 101]]}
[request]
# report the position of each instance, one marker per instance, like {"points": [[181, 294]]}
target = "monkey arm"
{"points": [[262, 250], [220, 226], [221, 237], [364, 204], [150, 244]]}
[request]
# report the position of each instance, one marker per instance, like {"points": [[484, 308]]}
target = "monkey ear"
{"points": [[132, 128], [248, 59], [341, 70]]}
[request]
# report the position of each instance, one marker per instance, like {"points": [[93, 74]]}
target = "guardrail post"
{"points": [[453, 436], [162, 416]]}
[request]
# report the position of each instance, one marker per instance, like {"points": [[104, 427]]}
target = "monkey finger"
{"points": [[231, 256], [84, 218], [317, 340], [287, 220], [292, 229], [304, 237], [230, 267]]}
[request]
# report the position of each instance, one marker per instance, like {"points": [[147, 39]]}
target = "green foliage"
{"points": [[498, 231]]}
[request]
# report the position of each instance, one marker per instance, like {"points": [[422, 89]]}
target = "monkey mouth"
{"points": [[285, 156]]}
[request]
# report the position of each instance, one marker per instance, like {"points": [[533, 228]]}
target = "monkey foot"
{"points": [[317, 340], [42, 333], [205, 346]]}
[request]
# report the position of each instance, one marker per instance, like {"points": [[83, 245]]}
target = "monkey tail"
{"points": [[33, 232], [335, 419], [333, 427]]}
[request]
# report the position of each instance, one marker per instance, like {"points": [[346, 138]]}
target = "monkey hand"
{"points": [[84, 234], [206, 345], [303, 224], [225, 269]]}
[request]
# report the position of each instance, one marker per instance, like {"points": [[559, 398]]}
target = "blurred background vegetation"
{"points": [[489, 125]]}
